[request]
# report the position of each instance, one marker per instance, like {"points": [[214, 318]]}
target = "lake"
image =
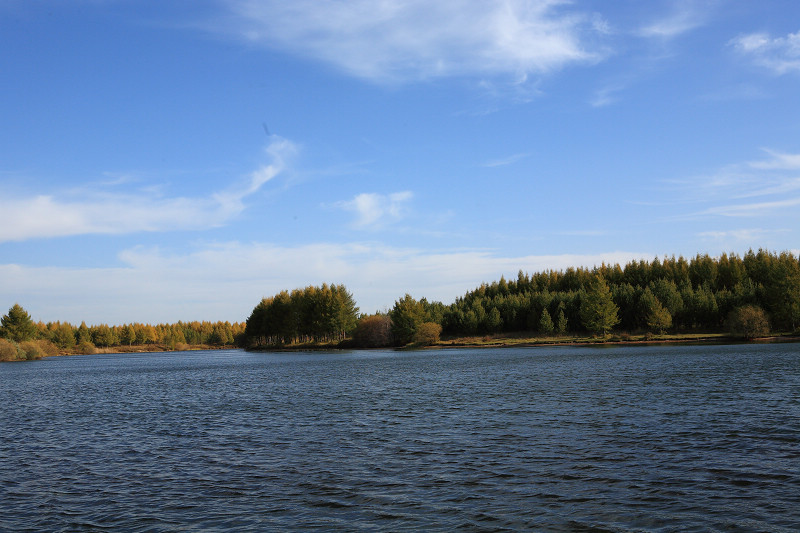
{"points": [[658, 438]]}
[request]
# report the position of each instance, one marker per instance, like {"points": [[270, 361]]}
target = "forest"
{"points": [[23, 339], [747, 296], [663, 294], [312, 315]]}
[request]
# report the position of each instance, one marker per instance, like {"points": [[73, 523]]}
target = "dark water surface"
{"points": [[543, 439]]}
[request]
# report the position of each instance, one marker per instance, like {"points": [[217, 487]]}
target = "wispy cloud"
{"points": [[752, 209], [408, 40], [607, 95], [738, 235], [67, 214], [731, 93], [778, 161], [375, 210], [685, 16], [505, 161], [778, 54], [751, 189], [153, 285]]}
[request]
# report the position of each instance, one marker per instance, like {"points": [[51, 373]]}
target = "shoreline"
{"points": [[701, 341], [500, 341], [534, 342]]}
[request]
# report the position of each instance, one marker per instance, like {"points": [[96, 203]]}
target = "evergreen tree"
{"points": [[598, 310], [126, 335], [82, 334], [103, 335], [347, 311], [407, 316], [782, 292], [561, 321], [494, 322], [283, 318], [63, 336], [659, 318], [546, 325], [17, 325]]}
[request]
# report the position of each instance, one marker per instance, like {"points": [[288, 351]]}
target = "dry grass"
{"points": [[525, 339]]}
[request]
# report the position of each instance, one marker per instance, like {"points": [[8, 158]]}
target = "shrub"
{"points": [[86, 348], [748, 321], [31, 350], [428, 333], [47, 347], [8, 350], [374, 331]]}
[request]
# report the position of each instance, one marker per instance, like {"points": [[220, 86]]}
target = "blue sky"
{"points": [[165, 161]]}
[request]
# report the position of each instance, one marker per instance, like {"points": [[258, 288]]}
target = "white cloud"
{"points": [[773, 177], [225, 281], [48, 215], [401, 40], [766, 190], [375, 210], [779, 54], [686, 16]]}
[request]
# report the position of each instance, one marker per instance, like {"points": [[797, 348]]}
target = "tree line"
{"points": [[669, 294], [22, 338], [663, 294], [748, 295], [313, 314]]}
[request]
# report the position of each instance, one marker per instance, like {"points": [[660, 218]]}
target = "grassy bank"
{"points": [[526, 340], [38, 349], [522, 339]]}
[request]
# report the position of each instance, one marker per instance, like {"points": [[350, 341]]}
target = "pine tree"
{"points": [[546, 323], [598, 310], [659, 318], [17, 325], [407, 316], [561, 321]]}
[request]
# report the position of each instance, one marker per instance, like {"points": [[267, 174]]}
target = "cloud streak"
{"points": [[769, 186], [685, 17], [45, 216], [397, 41], [752, 209]]}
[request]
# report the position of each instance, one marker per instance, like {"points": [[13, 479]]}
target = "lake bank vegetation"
{"points": [[702, 299], [314, 315], [23, 339], [732, 296]]}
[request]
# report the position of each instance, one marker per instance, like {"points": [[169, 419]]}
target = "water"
{"points": [[543, 439]]}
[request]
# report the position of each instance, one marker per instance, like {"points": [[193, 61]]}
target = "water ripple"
{"points": [[578, 439]]}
